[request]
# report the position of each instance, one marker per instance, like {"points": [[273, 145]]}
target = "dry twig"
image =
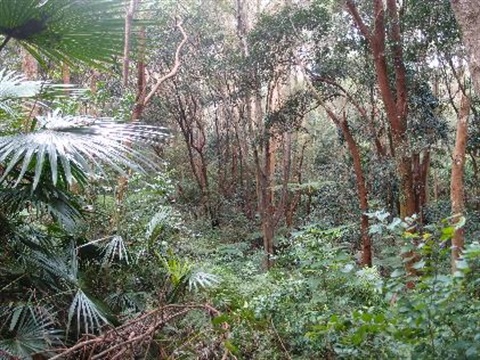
{"points": [[134, 336]]}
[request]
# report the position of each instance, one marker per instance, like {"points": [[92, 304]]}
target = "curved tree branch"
{"points": [[174, 69], [353, 10]]}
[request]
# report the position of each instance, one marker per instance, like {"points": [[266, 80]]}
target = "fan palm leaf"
{"points": [[75, 147], [14, 86], [74, 31], [182, 276], [45, 199], [115, 249], [87, 312], [27, 330]]}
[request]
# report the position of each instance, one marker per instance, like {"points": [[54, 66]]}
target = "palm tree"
{"points": [[40, 276], [69, 148]]}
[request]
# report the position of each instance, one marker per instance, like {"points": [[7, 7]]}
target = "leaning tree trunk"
{"points": [[362, 192]]}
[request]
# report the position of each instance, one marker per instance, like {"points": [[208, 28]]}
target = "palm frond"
{"points": [[183, 276], [62, 266], [111, 248], [75, 147], [86, 313], [177, 270], [115, 248], [201, 279], [74, 31], [33, 238], [126, 301], [27, 330], [157, 223], [14, 86], [46, 199]]}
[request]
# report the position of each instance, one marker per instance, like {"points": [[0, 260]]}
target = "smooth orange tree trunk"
{"points": [[393, 97], [362, 191], [386, 41], [467, 13], [457, 181]]}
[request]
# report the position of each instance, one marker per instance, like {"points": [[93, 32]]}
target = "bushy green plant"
{"points": [[436, 319], [273, 314]]}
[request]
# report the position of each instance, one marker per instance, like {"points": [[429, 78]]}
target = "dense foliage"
{"points": [[229, 180]]}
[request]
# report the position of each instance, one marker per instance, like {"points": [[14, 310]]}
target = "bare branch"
{"points": [[174, 69], [113, 343]]}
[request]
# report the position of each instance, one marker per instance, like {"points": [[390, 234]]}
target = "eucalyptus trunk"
{"points": [[467, 13], [384, 38], [457, 181]]}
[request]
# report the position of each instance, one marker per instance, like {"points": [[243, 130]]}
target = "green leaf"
{"points": [[471, 352], [231, 347], [419, 265], [462, 264], [397, 273], [220, 319], [348, 268], [375, 229], [447, 233]]}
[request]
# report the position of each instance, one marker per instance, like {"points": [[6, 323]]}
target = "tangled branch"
{"points": [[133, 337]]}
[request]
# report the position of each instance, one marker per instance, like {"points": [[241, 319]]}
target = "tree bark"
{"points": [[66, 73], [362, 191], [456, 182], [127, 43], [395, 102], [467, 13], [30, 70], [141, 78]]}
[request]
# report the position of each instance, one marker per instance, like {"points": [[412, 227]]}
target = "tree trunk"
{"points": [[456, 182], [30, 70], [127, 43], [395, 102], [263, 152], [141, 78], [66, 73], [467, 13], [394, 97], [361, 192], [421, 166]]}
